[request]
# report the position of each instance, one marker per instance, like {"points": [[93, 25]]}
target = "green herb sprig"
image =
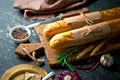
{"points": [[69, 53]]}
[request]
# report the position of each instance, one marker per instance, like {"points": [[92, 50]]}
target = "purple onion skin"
{"points": [[62, 74]]}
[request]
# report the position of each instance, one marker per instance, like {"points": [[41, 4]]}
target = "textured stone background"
{"points": [[10, 17]]}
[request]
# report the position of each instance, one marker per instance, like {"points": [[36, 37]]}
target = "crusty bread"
{"points": [[79, 21], [62, 40], [86, 34]]}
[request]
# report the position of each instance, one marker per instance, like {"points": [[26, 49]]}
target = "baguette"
{"points": [[86, 34], [79, 21]]}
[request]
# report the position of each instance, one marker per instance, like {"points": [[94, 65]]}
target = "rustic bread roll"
{"points": [[86, 34], [79, 21]]}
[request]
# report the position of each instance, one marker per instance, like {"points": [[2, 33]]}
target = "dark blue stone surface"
{"points": [[9, 17]]}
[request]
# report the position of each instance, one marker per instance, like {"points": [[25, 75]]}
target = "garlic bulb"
{"points": [[106, 60]]}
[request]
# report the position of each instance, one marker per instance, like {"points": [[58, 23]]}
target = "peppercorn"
{"points": [[20, 34]]}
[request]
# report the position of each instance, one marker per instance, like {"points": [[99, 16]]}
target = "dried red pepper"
{"points": [[88, 67], [95, 66]]}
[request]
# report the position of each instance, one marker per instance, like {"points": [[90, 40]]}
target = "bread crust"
{"points": [[78, 21]]}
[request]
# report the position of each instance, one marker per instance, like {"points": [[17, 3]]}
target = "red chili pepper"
{"points": [[95, 66], [86, 67], [89, 67]]}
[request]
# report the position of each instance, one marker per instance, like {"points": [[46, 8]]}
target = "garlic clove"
{"points": [[101, 59], [104, 63]]}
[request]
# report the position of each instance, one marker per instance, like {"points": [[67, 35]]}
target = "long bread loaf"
{"points": [[80, 20], [86, 34]]}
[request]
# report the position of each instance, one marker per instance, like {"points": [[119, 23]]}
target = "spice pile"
{"points": [[19, 33]]}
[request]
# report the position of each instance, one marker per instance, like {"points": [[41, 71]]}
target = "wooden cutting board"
{"points": [[52, 54]]}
